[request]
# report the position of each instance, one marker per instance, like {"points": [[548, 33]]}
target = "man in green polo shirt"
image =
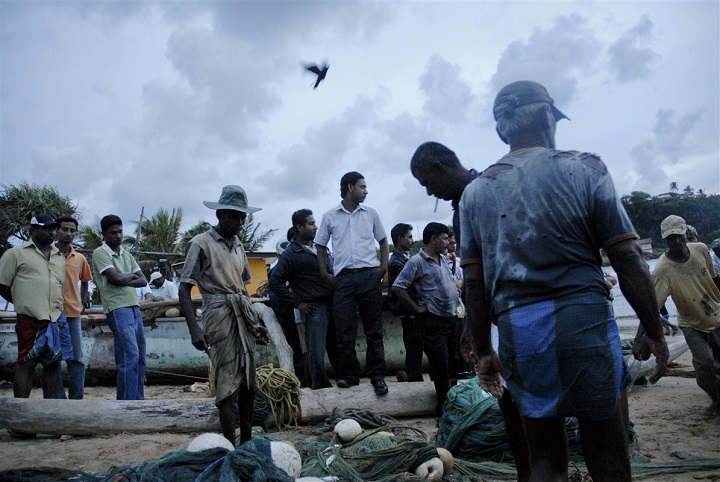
{"points": [[32, 276], [117, 274]]}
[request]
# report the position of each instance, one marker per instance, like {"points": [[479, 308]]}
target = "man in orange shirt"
{"points": [[77, 271]]}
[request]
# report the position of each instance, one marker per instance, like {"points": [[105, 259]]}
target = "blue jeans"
{"points": [[316, 333], [72, 355], [129, 341]]}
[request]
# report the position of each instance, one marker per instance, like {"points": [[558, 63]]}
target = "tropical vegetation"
{"points": [[18, 204], [698, 209]]}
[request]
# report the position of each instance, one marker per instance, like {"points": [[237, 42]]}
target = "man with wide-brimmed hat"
{"points": [[216, 263], [532, 228], [686, 273], [32, 277]]}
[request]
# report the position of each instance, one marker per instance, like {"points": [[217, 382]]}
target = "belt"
{"points": [[353, 270]]}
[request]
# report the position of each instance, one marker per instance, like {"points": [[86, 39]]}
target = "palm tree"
{"points": [[249, 236], [18, 204], [199, 228], [673, 186], [90, 236], [689, 191], [158, 244]]}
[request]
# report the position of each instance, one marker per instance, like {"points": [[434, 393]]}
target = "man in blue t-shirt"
{"points": [[533, 225]]}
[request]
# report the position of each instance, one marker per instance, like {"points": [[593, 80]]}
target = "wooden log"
{"points": [[93, 417], [277, 336]]}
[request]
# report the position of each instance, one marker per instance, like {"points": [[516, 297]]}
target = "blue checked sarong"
{"points": [[563, 357]]}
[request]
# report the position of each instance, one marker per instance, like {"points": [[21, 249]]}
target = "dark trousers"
{"points": [[458, 366], [359, 293], [439, 333], [705, 349], [413, 341], [286, 317]]}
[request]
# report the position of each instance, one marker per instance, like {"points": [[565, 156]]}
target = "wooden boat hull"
{"points": [[170, 356]]}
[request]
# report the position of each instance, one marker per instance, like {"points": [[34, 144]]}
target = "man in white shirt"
{"points": [[162, 288]]}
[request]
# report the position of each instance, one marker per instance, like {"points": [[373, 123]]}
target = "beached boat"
{"points": [[171, 358]]}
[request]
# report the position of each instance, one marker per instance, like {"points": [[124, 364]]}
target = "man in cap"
{"points": [[532, 228], [117, 274], [715, 254], [32, 277], [686, 273], [354, 229], [216, 263], [161, 288]]}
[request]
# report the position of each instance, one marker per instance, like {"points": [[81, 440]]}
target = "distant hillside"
{"points": [[647, 212]]}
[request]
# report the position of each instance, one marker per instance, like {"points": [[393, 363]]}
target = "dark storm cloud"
{"points": [[629, 57], [555, 56]]}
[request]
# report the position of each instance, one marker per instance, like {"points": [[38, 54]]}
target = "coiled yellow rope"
{"points": [[281, 390]]}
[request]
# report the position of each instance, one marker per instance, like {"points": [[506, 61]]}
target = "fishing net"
{"points": [[249, 462], [385, 454], [472, 427]]}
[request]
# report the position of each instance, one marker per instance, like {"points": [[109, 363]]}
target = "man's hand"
{"points": [[329, 278], [198, 340], [307, 308], [262, 337], [421, 309], [644, 346], [488, 368]]}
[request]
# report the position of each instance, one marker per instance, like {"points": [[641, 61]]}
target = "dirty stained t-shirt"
{"points": [[537, 219], [691, 286]]}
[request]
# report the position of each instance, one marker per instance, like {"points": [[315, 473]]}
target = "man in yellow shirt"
{"points": [[686, 273], [32, 277]]}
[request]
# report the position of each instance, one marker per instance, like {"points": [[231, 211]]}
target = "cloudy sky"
{"points": [[125, 105]]}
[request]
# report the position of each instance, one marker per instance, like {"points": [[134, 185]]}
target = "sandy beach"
{"points": [[669, 419]]}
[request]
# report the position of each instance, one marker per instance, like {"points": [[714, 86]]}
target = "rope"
{"points": [[281, 390]]}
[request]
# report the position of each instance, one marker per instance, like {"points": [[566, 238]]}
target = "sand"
{"points": [[669, 419]]}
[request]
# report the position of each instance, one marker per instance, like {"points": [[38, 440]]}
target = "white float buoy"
{"points": [[209, 441], [286, 457], [347, 429]]}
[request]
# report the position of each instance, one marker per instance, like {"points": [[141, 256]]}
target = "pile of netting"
{"points": [[472, 427], [250, 461], [388, 453]]}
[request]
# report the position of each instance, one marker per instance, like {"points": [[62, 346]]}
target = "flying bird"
{"points": [[321, 73]]}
